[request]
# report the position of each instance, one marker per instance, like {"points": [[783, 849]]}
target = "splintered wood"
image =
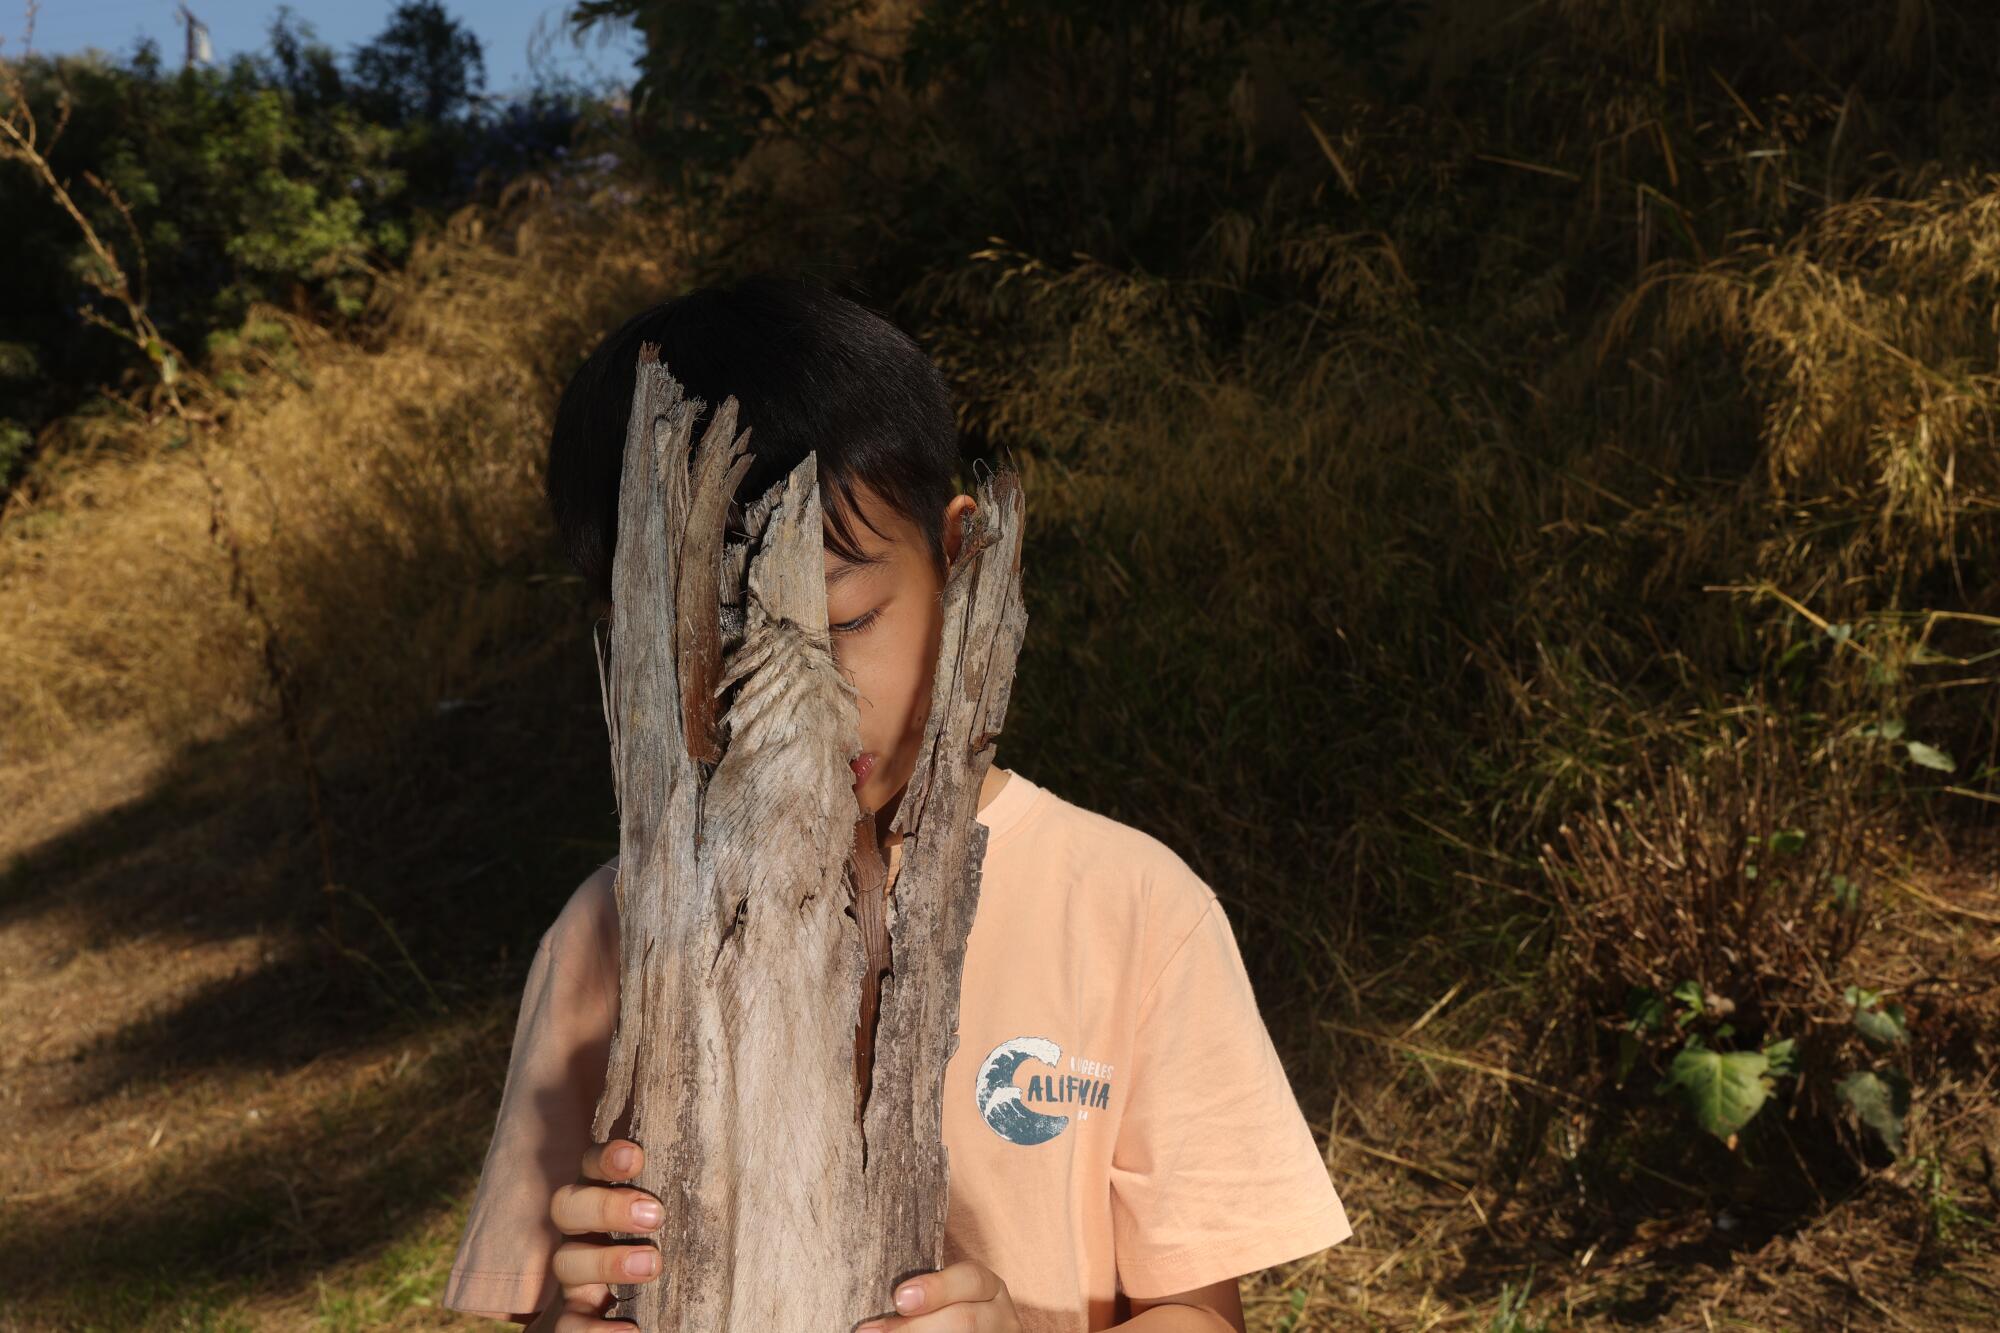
{"points": [[784, 1022]]}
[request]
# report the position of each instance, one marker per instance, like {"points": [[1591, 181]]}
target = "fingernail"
{"points": [[642, 1263], [621, 1159], [909, 1297], [647, 1213]]}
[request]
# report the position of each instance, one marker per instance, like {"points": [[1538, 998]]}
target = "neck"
{"points": [[995, 779]]}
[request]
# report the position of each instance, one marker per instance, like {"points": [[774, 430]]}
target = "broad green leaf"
{"points": [[1783, 1056], [1882, 1027], [1725, 1091], [1881, 1100], [1929, 756]]}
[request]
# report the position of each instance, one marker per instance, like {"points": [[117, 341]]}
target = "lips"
{"points": [[863, 764]]}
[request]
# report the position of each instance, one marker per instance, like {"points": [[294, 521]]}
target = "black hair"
{"points": [[811, 371]]}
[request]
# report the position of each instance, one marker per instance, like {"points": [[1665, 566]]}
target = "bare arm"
{"points": [[1216, 1308]]}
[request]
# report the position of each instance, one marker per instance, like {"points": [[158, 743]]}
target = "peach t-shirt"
{"points": [[1115, 1115]]}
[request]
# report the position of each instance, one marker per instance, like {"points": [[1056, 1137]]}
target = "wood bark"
{"points": [[784, 1018]]}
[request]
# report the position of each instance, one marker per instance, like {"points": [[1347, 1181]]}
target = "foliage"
{"points": [[1721, 869], [424, 68], [1881, 1100], [716, 74], [1730, 897], [1604, 271], [1723, 1090], [280, 179]]}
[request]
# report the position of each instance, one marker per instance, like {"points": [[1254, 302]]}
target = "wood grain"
{"points": [[784, 1020]]}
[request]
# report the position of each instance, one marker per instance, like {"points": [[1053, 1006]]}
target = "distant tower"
{"points": [[199, 49]]}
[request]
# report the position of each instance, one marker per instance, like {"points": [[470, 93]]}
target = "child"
{"points": [[1121, 1135]]}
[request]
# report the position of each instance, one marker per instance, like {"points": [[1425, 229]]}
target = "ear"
{"points": [[955, 516]]}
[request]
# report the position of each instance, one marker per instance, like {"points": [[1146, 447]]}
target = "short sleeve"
{"points": [[1215, 1173], [562, 1041]]}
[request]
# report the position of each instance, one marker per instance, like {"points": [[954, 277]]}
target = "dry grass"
{"points": [[387, 506], [1869, 342], [1472, 1172], [1744, 870]]}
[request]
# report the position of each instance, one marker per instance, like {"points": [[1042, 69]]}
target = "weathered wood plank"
{"points": [[794, 1136]]}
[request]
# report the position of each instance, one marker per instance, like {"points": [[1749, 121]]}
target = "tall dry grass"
{"points": [[387, 500], [1869, 341]]}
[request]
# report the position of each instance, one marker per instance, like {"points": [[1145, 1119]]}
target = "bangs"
{"points": [[813, 373]]}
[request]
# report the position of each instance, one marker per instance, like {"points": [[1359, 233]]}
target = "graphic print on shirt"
{"points": [[1004, 1106]]}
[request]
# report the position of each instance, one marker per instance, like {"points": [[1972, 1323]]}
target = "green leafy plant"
{"points": [[1918, 752], [1719, 904], [1881, 1100], [1879, 1097], [1724, 1090], [1882, 1026], [1947, 1219]]}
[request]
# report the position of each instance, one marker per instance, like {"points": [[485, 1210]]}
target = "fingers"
{"points": [[962, 1282], [580, 1310], [620, 1159], [581, 1313], [579, 1263], [586, 1268], [580, 1210], [966, 1297]]}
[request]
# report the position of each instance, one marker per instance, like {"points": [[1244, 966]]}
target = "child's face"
{"points": [[886, 619]]}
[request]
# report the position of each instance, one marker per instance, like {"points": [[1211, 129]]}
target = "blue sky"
{"points": [[508, 29]]}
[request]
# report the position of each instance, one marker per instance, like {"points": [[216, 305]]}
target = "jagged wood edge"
{"points": [[658, 780], [938, 884]]}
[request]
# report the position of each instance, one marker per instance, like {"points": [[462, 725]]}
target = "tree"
{"points": [[300, 64], [423, 67]]}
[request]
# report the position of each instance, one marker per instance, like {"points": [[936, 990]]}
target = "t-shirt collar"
{"points": [[1008, 807], [1000, 816]]}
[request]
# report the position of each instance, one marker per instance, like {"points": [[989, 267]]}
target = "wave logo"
{"points": [[1000, 1104]]}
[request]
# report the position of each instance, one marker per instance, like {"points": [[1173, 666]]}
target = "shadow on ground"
{"points": [[467, 856]]}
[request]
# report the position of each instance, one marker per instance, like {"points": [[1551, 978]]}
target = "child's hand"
{"points": [[967, 1297], [587, 1268]]}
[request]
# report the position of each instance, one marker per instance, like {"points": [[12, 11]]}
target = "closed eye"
{"points": [[858, 623]]}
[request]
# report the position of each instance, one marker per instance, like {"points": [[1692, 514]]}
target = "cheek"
{"points": [[891, 669]]}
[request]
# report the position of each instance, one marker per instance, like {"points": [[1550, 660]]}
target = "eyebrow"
{"points": [[843, 567]]}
